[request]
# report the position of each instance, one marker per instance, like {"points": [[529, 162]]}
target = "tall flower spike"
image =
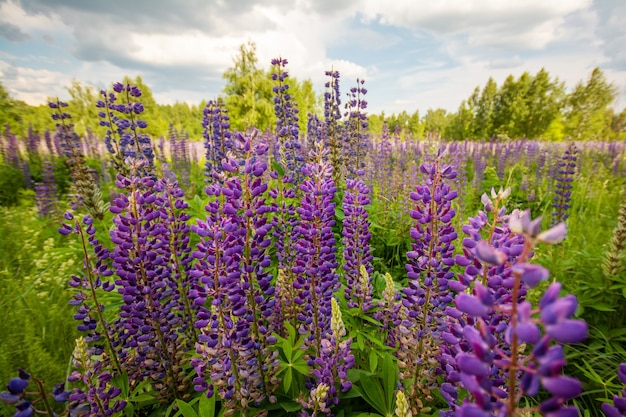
{"points": [[564, 179], [287, 129], [87, 193], [333, 133], [613, 264], [356, 238], [355, 146]]}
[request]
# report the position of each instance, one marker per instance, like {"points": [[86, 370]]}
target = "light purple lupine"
{"points": [[492, 367]]}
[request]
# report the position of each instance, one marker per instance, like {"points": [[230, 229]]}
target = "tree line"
{"points": [[531, 106]]}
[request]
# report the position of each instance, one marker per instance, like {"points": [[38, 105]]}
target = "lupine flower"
{"points": [[46, 191], [402, 406], [486, 342], [151, 261], [99, 397], [86, 192], [428, 270], [334, 360], [123, 137], [217, 138], [613, 264], [333, 134], [287, 129], [356, 131], [232, 260], [564, 179], [356, 237], [315, 266]]}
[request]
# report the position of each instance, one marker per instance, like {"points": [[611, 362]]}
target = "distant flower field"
{"points": [[318, 272]]}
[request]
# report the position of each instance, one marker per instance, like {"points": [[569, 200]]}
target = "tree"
{"points": [[248, 92], [587, 115], [436, 122]]}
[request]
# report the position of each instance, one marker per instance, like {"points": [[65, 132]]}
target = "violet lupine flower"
{"points": [[98, 397], [233, 258], [16, 395], [315, 265], [333, 134], [356, 135], [86, 192], [11, 155], [119, 115], [287, 128], [89, 312], [427, 293], [335, 358], [285, 219], [618, 409], [217, 138], [493, 369], [46, 191], [314, 134], [356, 252], [565, 177], [389, 312], [151, 262]]}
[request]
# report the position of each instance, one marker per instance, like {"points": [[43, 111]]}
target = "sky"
{"points": [[412, 54]]}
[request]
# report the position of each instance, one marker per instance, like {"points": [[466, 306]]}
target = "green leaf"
{"points": [[339, 213], [289, 406], [287, 350], [141, 398], [278, 168], [373, 393], [390, 372], [206, 407], [185, 409], [373, 361], [287, 379]]}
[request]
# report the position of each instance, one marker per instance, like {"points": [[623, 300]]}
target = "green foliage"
{"points": [[11, 182], [248, 91]]}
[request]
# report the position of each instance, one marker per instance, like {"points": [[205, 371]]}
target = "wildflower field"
{"points": [[325, 271]]}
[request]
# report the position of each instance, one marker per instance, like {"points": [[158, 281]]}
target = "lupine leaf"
{"points": [[185, 409], [206, 406]]}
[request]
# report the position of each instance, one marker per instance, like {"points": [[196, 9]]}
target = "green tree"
{"points": [[248, 92], [485, 109], [544, 100], [587, 113], [436, 122], [82, 107]]}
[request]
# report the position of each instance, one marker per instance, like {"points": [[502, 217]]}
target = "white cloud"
{"points": [[33, 85], [529, 24]]}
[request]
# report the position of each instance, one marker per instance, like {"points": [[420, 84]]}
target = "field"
{"points": [[322, 272]]}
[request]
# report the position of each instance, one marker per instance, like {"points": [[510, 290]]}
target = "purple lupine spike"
{"points": [[333, 134], [235, 297], [489, 363], [119, 115], [315, 265], [217, 138], [152, 264], [356, 237], [46, 192], [565, 176], [287, 128], [356, 137]]}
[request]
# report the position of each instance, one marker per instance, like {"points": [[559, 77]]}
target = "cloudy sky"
{"points": [[413, 54]]}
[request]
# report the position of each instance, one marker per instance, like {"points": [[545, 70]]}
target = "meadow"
{"points": [[318, 272]]}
